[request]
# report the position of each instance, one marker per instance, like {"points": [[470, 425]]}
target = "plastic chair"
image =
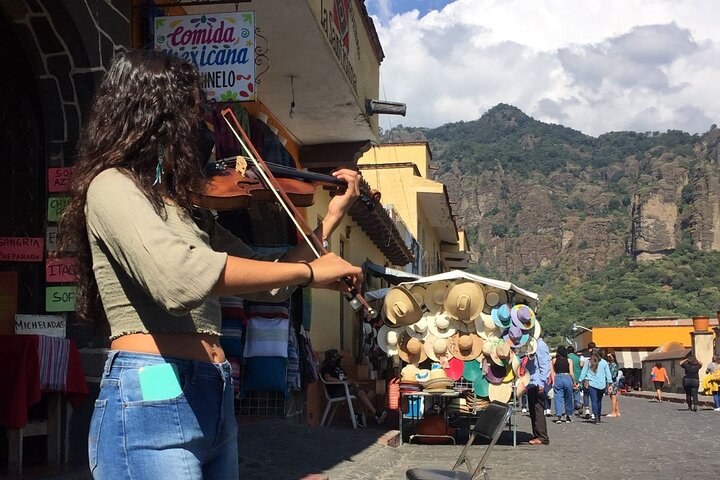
{"points": [[332, 402], [489, 424]]}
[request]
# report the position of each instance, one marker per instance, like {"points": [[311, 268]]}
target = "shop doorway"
{"points": [[22, 154]]}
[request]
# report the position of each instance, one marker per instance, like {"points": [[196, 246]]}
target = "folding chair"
{"points": [[489, 424], [333, 401]]}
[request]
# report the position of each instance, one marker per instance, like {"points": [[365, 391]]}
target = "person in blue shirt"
{"points": [[539, 367], [596, 377]]}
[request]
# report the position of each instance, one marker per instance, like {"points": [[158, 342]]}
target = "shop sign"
{"points": [[50, 325], [59, 179], [51, 239], [221, 45], [21, 249], [59, 299], [337, 23], [56, 205], [62, 269]]}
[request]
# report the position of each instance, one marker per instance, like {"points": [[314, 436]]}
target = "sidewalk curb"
{"points": [[666, 398]]}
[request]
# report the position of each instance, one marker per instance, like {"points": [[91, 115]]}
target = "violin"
{"points": [[268, 179], [231, 184]]}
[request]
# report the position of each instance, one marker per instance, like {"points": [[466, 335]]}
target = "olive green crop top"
{"points": [[155, 274]]}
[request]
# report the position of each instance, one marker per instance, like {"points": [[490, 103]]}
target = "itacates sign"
{"points": [[221, 45]]}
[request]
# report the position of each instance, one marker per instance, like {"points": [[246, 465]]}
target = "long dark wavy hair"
{"points": [[146, 102]]}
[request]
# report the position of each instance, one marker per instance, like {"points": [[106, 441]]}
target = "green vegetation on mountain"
{"points": [[574, 217]]}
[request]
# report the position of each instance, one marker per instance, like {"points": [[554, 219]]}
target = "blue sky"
{"points": [[592, 65]]}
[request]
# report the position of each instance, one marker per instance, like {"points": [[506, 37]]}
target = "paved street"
{"points": [[649, 441]]}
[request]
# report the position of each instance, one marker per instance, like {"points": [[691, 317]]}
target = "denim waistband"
{"points": [[562, 373], [196, 368]]}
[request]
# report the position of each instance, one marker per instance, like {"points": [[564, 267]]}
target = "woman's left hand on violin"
{"points": [[340, 204]]}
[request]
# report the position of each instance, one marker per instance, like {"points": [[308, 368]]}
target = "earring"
{"points": [[159, 168]]}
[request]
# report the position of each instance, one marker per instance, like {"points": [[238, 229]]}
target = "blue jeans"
{"points": [[191, 436], [596, 395], [577, 399], [563, 388], [716, 399]]}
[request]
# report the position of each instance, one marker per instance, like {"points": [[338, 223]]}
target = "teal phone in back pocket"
{"points": [[159, 382]]}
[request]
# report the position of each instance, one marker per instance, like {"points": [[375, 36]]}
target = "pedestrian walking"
{"points": [[539, 368], [713, 370], [659, 377], [563, 385], [613, 392], [574, 358], [585, 394], [691, 380], [596, 377]]}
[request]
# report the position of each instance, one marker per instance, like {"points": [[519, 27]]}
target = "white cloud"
{"points": [[592, 65]]}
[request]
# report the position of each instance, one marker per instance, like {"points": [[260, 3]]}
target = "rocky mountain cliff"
{"points": [[536, 197]]}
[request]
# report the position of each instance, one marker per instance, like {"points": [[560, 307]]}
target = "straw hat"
{"points": [[387, 339], [422, 375], [435, 295], [409, 373], [495, 373], [522, 374], [438, 380], [410, 349], [494, 297], [529, 348], [500, 392], [438, 350], [442, 326], [472, 370], [501, 354], [466, 346], [419, 329], [516, 336], [523, 316], [401, 308], [501, 316], [464, 300], [418, 292], [455, 368]]}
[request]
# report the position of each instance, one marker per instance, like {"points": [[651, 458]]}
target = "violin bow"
{"points": [[307, 233]]}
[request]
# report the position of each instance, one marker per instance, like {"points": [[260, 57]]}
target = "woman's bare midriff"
{"points": [[191, 346]]}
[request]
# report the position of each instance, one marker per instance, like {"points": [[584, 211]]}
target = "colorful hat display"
{"points": [[495, 373], [438, 380], [442, 326], [501, 316], [400, 307], [466, 346], [472, 370], [515, 336], [529, 348], [423, 375], [464, 300], [410, 349], [435, 296], [481, 386], [388, 338]]}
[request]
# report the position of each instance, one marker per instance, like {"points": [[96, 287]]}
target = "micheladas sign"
{"points": [[221, 45]]}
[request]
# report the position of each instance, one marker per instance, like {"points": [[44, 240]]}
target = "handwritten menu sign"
{"points": [[62, 269], [50, 325], [56, 205], [21, 249], [59, 179], [60, 299]]}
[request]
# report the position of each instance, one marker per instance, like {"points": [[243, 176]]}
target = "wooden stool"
{"points": [[50, 427]]}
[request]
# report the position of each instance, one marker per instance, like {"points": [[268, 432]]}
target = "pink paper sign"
{"points": [[59, 179], [21, 249], [58, 270]]}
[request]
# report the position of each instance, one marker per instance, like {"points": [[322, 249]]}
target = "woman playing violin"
{"points": [[153, 266]]}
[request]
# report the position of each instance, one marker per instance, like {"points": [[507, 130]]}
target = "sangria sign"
{"points": [[221, 45]]}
